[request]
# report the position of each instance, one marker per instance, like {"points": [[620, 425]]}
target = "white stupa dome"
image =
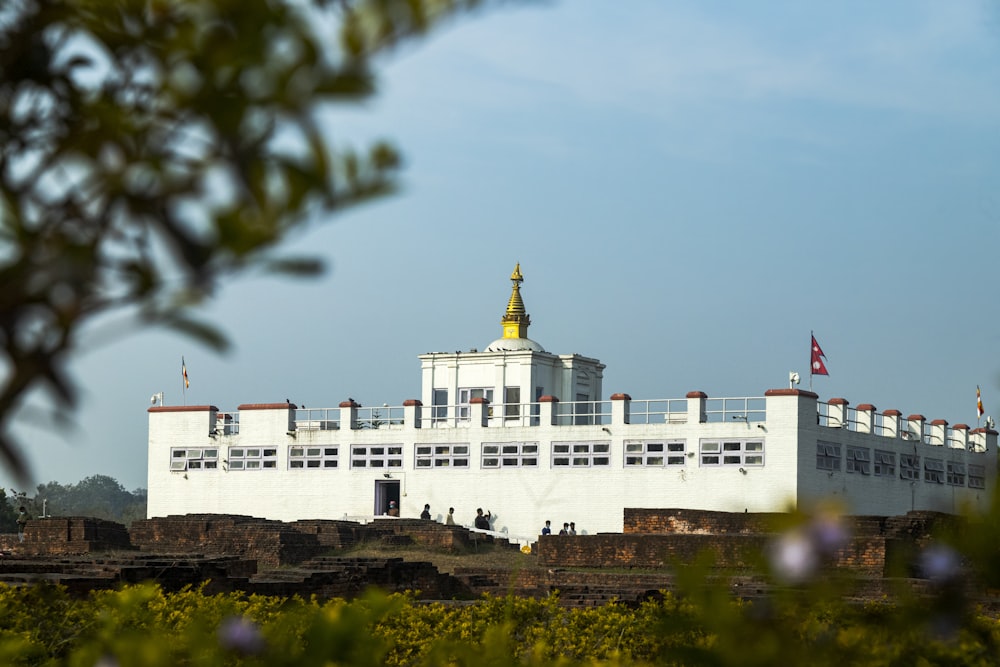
{"points": [[514, 345]]}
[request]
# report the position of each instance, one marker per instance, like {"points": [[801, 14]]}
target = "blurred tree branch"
{"points": [[149, 148]]}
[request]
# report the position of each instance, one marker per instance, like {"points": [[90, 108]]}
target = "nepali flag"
{"points": [[816, 365]]}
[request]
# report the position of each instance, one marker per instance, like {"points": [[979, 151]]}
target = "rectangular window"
{"points": [[909, 466], [182, 458], [439, 398], [956, 473], [581, 454], [732, 452], [827, 455], [377, 456], [655, 453], [252, 458], [977, 476], [465, 397], [859, 460], [511, 402], [428, 457], [510, 454], [313, 458], [885, 463], [934, 471], [583, 410]]}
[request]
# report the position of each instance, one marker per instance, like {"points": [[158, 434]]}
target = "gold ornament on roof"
{"points": [[516, 320]]}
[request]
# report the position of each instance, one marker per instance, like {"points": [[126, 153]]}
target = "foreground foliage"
{"points": [[151, 148], [143, 625]]}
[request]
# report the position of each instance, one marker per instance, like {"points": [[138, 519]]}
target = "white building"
{"points": [[524, 433]]}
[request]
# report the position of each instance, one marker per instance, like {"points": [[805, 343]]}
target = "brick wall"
{"points": [[9, 542], [274, 543], [647, 551], [271, 543], [655, 538], [672, 521], [73, 535]]}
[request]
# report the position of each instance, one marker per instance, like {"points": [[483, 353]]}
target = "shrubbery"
{"points": [[142, 625]]}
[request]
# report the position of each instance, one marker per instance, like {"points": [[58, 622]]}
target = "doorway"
{"points": [[386, 491]]}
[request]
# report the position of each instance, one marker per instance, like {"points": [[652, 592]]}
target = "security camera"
{"points": [[152, 399]]}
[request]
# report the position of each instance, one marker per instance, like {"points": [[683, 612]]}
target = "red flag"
{"points": [[979, 403], [816, 365], [184, 374]]}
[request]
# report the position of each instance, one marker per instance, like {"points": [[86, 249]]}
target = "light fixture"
{"points": [[291, 433], [743, 471], [387, 475]]}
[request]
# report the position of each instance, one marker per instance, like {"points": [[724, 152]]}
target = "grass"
{"points": [[447, 560]]}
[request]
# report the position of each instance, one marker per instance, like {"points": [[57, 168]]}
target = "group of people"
{"points": [[482, 521], [567, 529]]}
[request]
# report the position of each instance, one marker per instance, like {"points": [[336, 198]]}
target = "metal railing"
{"points": [[725, 410], [317, 419], [227, 423], [582, 413], [376, 418], [515, 414], [658, 411]]}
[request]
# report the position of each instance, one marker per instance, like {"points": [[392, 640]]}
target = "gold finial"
{"points": [[516, 320]]}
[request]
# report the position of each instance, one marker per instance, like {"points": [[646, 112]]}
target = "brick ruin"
{"points": [[242, 553], [658, 539]]}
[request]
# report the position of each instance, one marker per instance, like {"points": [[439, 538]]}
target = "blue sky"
{"points": [[690, 188]]}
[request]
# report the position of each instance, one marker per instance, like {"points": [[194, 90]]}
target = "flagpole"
{"points": [[812, 336]]}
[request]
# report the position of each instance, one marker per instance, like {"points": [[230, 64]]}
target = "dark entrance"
{"points": [[386, 490]]}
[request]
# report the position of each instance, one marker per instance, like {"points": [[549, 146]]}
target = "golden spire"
{"points": [[515, 321]]}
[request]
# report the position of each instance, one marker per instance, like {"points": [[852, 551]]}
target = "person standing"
{"points": [[572, 528], [565, 529], [547, 529], [450, 519], [426, 514], [22, 521]]}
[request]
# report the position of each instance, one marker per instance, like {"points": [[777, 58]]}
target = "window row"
{"points": [[240, 458], [862, 461], [732, 452], [578, 454]]}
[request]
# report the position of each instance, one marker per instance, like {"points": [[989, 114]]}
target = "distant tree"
{"points": [[8, 513], [150, 148], [97, 496]]}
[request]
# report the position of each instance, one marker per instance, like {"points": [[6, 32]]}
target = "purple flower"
{"points": [[940, 563], [793, 557], [829, 534], [241, 635]]}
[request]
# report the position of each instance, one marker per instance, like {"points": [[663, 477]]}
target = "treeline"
{"points": [[96, 496]]}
